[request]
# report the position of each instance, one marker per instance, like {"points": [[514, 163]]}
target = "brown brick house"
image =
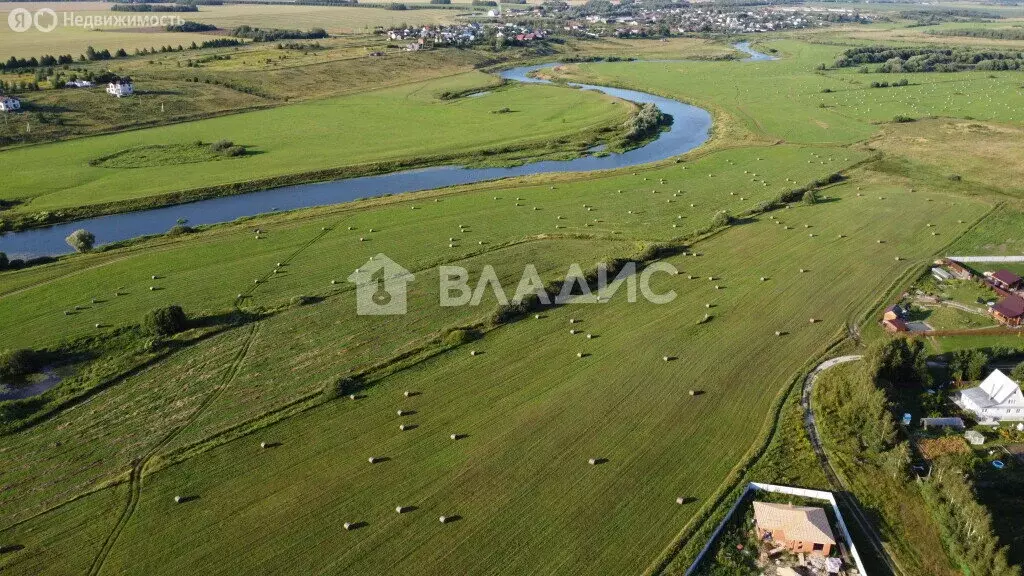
{"points": [[798, 528]]}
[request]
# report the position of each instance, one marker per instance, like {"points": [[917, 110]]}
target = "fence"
{"points": [[792, 491]]}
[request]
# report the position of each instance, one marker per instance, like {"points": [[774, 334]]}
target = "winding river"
{"points": [[690, 128]]}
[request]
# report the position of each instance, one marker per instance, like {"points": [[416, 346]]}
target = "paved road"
{"points": [[840, 490], [987, 258]]}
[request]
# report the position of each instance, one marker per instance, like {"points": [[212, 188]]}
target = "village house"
{"points": [[997, 399], [1009, 310], [121, 87], [798, 528], [895, 312], [1006, 280], [9, 104], [895, 325]]}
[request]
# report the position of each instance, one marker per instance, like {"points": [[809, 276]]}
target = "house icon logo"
{"points": [[381, 287]]}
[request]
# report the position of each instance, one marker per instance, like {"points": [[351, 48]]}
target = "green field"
{"points": [[92, 477], [405, 123]]}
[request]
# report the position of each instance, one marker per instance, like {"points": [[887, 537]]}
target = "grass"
{"points": [[533, 412], [531, 427], [395, 124], [152, 156]]}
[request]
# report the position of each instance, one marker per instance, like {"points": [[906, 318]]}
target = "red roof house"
{"points": [[1006, 280], [1009, 310]]}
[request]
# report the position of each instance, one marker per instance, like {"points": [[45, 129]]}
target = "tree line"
{"points": [[900, 60], [14, 64], [276, 34], [858, 416]]}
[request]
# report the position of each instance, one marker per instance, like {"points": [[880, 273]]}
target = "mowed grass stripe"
{"points": [[525, 479]]}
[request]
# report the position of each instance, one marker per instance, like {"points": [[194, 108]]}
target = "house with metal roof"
{"points": [[798, 528], [997, 399], [1009, 310]]}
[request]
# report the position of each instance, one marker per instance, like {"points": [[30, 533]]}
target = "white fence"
{"points": [[793, 491]]}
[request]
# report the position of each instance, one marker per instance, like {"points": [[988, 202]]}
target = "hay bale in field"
{"points": [[763, 279], [351, 396], [408, 393], [572, 331], [348, 525], [446, 519], [665, 358], [333, 282], [263, 444], [401, 412], [693, 392], [592, 461], [813, 320], [179, 499], [681, 500], [401, 509], [590, 336], [472, 352], [579, 354], [454, 436], [404, 427], [536, 316]]}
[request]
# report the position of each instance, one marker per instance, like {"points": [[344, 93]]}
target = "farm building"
{"points": [[121, 87], [895, 325], [941, 274], [798, 528], [959, 270], [997, 399], [1009, 310], [943, 422], [895, 312], [1006, 280], [9, 104]]}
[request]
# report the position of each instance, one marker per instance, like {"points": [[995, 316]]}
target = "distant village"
{"points": [[517, 24]]}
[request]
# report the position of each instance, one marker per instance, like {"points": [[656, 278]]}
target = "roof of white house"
{"points": [[1000, 388], [798, 523]]}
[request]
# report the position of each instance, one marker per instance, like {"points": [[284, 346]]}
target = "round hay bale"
{"points": [[333, 282], [778, 333], [680, 500], [665, 358], [590, 336], [579, 354], [693, 392], [407, 393], [536, 316], [813, 320], [179, 499], [444, 519], [263, 444], [454, 436], [401, 509], [402, 427], [401, 412], [351, 396], [347, 525], [592, 461], [472, 352]]}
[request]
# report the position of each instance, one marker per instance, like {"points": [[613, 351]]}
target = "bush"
{"points": [[458, 337], [721, 219], [810, 197], [165, 321], [15, 364], [4, 262], [302, 300], [221, 145], [1018, 373], [900, 118], [179, 230], [340, 387], [81, 240]]}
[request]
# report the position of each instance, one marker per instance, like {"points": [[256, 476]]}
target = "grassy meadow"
{"points": [[394, 124], [90, 485]]}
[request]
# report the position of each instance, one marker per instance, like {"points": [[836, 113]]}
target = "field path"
{"points": [[138, 470], [843, 494]]}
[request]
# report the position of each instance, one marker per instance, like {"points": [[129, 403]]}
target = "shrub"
{"points": [[340, 387], [4, 262], [810, 197], [221, 145], [902, 118], [81, 240], [165, 321], [180, 229], [15, 364], [955, 178], [234, 151], [721, 219], [1018, 373], [460, 336]]}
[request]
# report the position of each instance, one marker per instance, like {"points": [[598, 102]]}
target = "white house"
{"points": [[121, 87], [9, 104], [998, 399]]}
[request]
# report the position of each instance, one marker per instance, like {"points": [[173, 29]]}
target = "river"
{"points": [[690, 128]]}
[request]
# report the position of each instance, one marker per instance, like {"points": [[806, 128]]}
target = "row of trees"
{"points": [[275, 34], [859, 418], [154, 8], [899, 60], [992, 33], [91, 54]]}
